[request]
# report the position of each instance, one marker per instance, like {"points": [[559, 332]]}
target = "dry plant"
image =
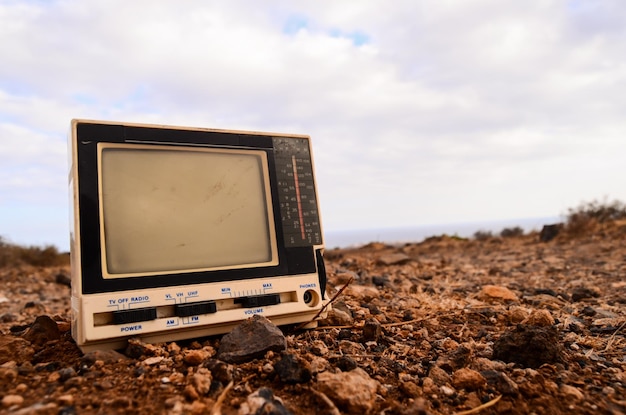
{"points": [[14, 255]]}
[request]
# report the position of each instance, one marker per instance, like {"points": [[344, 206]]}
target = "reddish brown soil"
{"points": [[448, 325]]}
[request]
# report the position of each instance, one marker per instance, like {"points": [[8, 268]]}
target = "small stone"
{"points": [[456, 359], [221, 371], [345, 363], [263, 402], [362, 292], [338, 317], [517, 314], [354, 391], [12, 400], [65, 400], [292, 370], [530, 346], [63, 279], [372, 330], [106, 356], [151, 361], [439, 376], [571, 392], [196, 357], [250, 340], [410, 389], [428, 386], [136, 349], [319, 348], [468, 379], [202, 381], [66, 373], [496, 292], [501, 382], [191, 393], [581, 293], [541, 318], [447, 390], [394, 259]]}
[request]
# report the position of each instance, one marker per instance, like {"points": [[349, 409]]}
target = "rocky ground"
{"points": [[448, 325]]}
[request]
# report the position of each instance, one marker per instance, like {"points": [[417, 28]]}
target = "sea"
{"points": [[399, 235]]}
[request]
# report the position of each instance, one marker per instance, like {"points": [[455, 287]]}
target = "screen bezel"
{"points": [[291, 260], [266, 196]]}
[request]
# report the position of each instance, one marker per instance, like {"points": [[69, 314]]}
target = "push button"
{"points": [[258, 300], [134, 315], [194, 309]]}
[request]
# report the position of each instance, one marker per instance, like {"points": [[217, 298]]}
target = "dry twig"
{"points": [[481, 407], [332, 300]]}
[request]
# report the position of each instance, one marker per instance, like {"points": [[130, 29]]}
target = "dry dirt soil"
{"points": [[448, 325]]}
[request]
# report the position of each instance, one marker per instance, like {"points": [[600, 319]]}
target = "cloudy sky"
{"points": [[421, 112]]}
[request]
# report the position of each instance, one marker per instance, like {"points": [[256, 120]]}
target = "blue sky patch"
{"points": [[294, 24], [358, 38]]}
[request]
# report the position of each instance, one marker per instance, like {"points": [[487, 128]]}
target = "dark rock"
{"points": [[63, 279], [456, 359], [371, 330], [501, 382], [136, 348], [345, 363], [263, 402], [43, 330], [588, 311], [292, 370], [8, 318], [344, 334], [580, 293], [251, 340], [221, 371], [66, 373], [547, 291], [549, 232], [380, 281], [530, 346]]}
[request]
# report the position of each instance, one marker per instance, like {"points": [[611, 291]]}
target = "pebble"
{"points": [[501, 382], [151, 361], [319, 348], [372, 330], [196, 357], [354, 391], [530, 346], [571, 392], [496, 292], [263, 402], [439, 376], [541, 318], [292, 370], [394, 259], [447, 390], [201, 381], [468, 379], [12, 400], [106, 356]]}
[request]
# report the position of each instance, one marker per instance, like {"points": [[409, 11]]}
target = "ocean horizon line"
{"points": [[417, 233]]}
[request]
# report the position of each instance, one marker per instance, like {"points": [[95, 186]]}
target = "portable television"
{"points": [[184, 232]]}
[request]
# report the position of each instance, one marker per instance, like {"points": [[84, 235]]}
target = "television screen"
{"points": [[179, 210]]}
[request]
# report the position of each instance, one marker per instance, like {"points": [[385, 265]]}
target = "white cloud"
{"points": [[426, 112]]}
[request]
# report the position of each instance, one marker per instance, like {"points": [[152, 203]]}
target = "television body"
{"points": [[183, 232]]}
